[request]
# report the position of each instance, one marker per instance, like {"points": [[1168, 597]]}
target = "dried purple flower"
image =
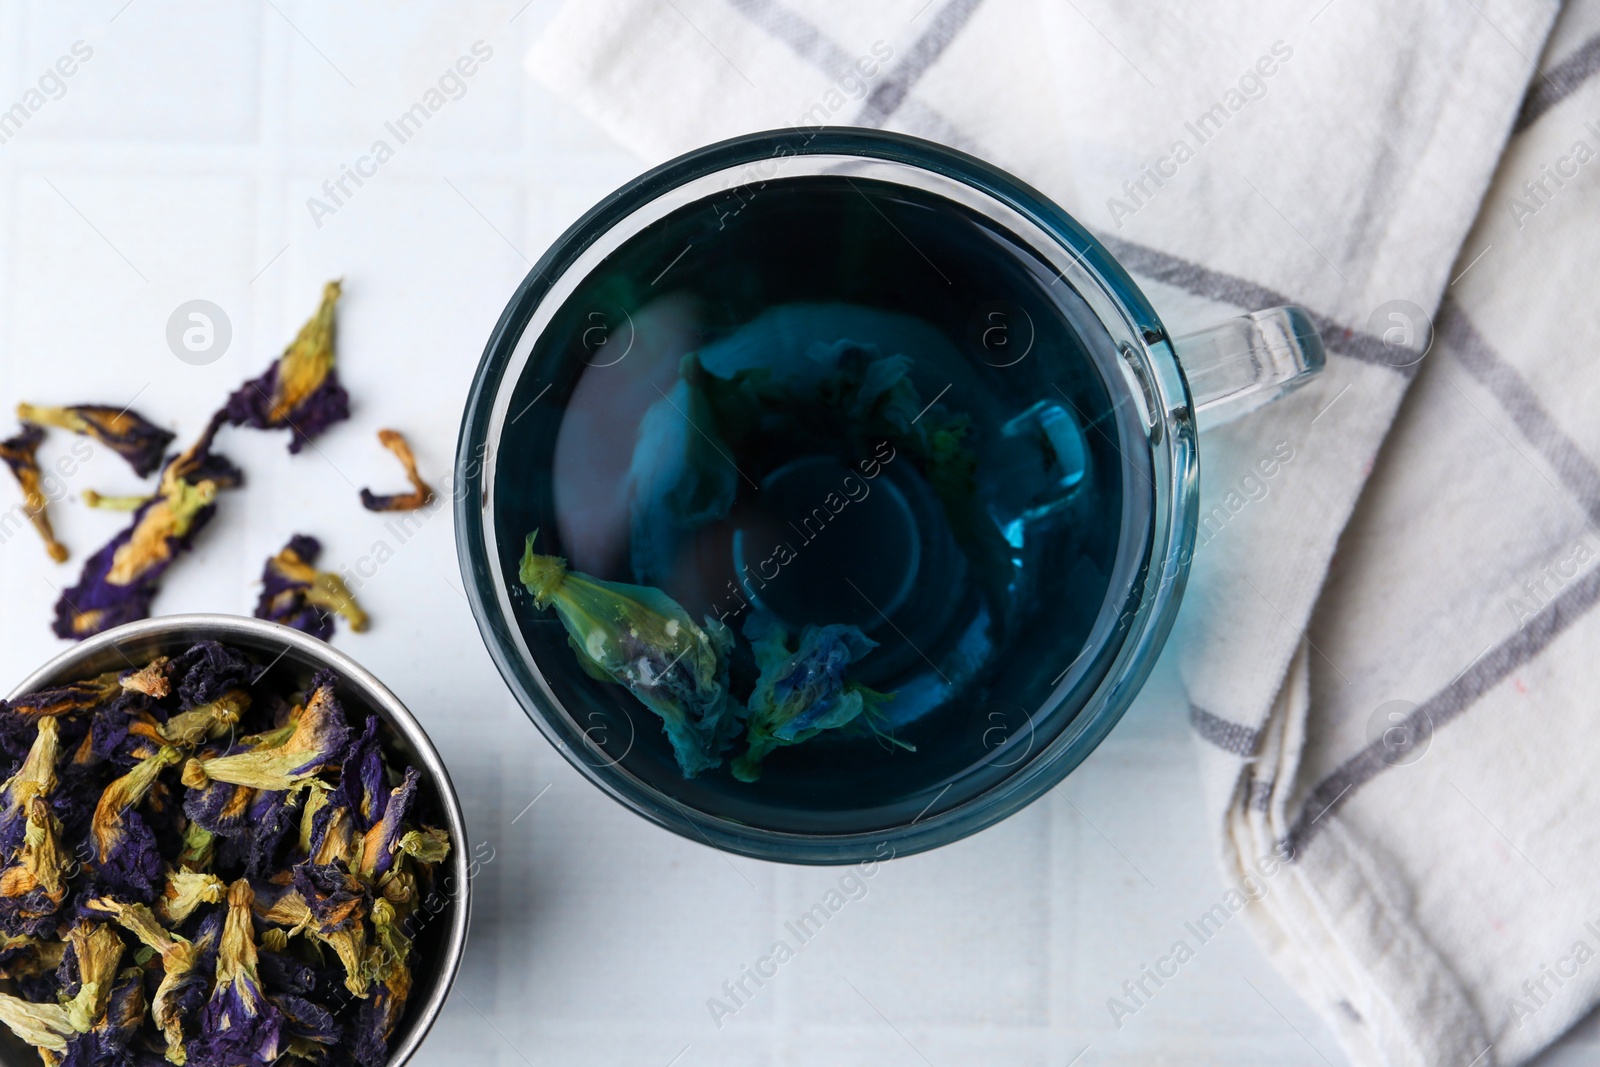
{"points": [[125, 432], [179, 960], [318, 738], [35, 777], [382, 841], [120, 580], [296, 594], [421, 494], [362, 787], [21, 454], [239, 1026], [301, 390], [32, 889], [123, 852], [326, 848], [209, 669]]}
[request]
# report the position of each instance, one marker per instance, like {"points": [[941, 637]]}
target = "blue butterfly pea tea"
{"points": [[866, 433]]}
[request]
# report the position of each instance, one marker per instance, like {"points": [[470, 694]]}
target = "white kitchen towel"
{"points": [[1393, 746]]}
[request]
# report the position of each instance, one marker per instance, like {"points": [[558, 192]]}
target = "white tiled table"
{"points": [[177, 165]]}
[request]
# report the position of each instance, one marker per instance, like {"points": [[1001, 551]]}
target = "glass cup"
{"points": [[1084, 420]]}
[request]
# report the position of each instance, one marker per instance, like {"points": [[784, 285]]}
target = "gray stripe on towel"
{"points": [[1519, 401], [1228, 736], [1558, 83], [886, 99], [807, 42]]}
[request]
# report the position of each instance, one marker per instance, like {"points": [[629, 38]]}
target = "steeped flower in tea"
{"points": [[641, 638], [802, 690]]}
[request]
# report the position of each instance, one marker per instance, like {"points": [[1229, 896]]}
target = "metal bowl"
{"points": [[442, 941]]}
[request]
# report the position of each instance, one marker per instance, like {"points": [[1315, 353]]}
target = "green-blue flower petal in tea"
{"points": [[682, 476], [802, 689], [644, 640], [123, 430], [20, 453]]}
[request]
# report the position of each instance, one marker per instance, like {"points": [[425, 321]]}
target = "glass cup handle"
{"points": [[1236, 366]]}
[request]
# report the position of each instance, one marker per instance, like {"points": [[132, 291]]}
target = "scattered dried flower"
{"points": [[21, 454], [296, 594], [119, 581], [421, 494], [126, 432], [301, 390]]}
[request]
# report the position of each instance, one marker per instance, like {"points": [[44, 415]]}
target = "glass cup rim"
{"points": [[1155, 383]]}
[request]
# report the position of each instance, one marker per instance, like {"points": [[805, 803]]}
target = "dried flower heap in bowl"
{"points": [[200, 865]]}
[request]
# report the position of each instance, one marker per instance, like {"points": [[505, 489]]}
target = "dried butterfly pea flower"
{"points": [[273, 818], [114, 501], [124, 431], [34, 777], [123, 854], [317, 740], [391, 973], [186, 891], [311, 1029], [209, 670], [426, 846], [206, 721], [802, 690], [644, 640], [119, 581], [421, 494], [337, 899], [382, 841], [107, 1041], [179, 960], [220, 807], [21, 454], [301, 390], [296, 594], [349, 945], [362, 786], [44, 1026], [239, 1025], [153, 679], [33, 888], [69, 699], [92, 955]]}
